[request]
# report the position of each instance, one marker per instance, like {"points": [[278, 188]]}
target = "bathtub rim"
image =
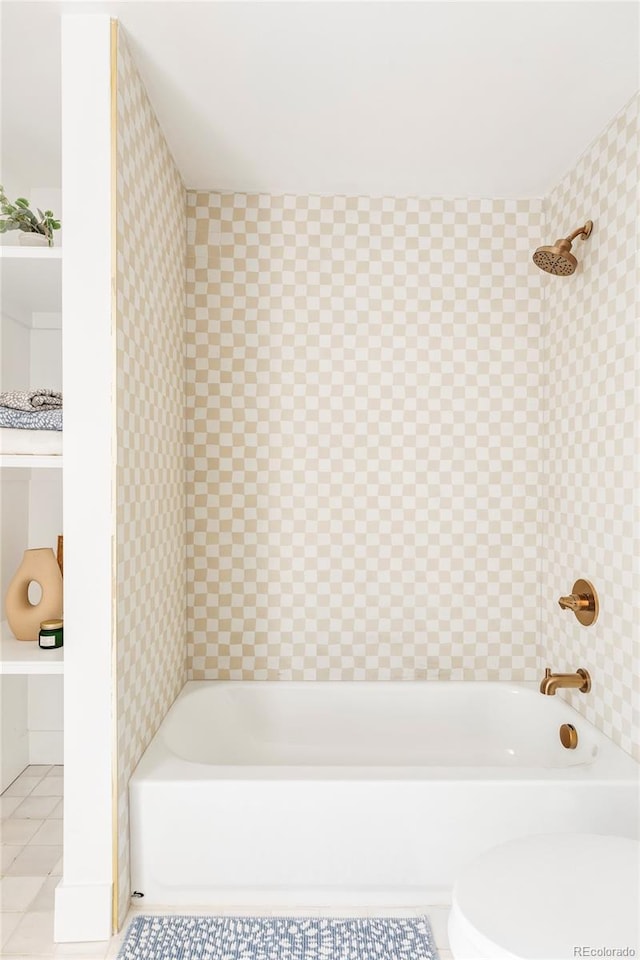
{"points": [[159, 764]]}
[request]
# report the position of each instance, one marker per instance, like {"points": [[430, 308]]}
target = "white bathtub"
{"points": [[358, 793]]}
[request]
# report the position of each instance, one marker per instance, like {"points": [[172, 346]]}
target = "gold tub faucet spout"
{"points": [[580, 680]]}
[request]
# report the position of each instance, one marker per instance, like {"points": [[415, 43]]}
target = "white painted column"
{"points": [[83, 898]]}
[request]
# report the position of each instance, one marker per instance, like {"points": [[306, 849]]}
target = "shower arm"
{"points": [[581, 231]]}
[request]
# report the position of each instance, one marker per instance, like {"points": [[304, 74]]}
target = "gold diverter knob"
{"points": [[583, 601]]}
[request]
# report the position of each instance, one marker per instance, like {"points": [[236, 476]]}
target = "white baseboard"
{"points": [[82, 912]]}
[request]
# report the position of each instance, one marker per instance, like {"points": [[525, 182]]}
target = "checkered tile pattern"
{"points": [[150, 422], [363, 380], [590, 458]]}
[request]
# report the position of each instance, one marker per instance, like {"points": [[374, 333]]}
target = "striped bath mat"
{"points": [[278, 938]]}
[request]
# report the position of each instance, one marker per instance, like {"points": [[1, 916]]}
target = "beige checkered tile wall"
{"points": [[362, 437], [590, 458], [150, 421]]}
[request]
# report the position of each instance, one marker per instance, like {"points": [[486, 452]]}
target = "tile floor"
{"points": [[31, 811]]}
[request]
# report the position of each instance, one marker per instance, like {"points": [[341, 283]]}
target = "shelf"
{"points": [[30, 461], [16, 252], [31, 280], [25, 656]]}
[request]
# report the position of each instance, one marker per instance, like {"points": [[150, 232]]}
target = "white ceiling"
{"points": [[479, 98]]}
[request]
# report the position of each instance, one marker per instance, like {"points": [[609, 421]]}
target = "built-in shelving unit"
{"points": [[31, 515], [31, 307]]}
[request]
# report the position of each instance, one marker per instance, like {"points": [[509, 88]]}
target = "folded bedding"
{"points": [[35, 420], [30, 400], [44, 443]]}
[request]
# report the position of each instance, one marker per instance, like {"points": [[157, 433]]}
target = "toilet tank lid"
{"points": [[543, 896]]}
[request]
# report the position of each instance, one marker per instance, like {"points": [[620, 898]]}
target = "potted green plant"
{"points": [[35, 230]]}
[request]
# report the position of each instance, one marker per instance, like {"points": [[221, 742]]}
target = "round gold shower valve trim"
{"points": [[583, 601]]}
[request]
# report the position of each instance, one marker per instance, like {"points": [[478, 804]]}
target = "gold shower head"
{"points": [[558, 259]]}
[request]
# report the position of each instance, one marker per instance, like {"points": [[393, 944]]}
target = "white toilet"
{"points": [[548, 897]]}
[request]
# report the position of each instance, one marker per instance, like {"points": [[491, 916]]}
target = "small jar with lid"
{"points": [[50, 636]]}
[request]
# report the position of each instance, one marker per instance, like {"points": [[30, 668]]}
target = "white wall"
{"points": [[83, 908], [14, 738], [31, 723], [14, 352], [45, 719], [45, 354], [14, 519], [14, 522], [14, 486]]}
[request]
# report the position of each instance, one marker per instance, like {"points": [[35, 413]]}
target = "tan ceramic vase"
{"points": [[24, 618]]}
